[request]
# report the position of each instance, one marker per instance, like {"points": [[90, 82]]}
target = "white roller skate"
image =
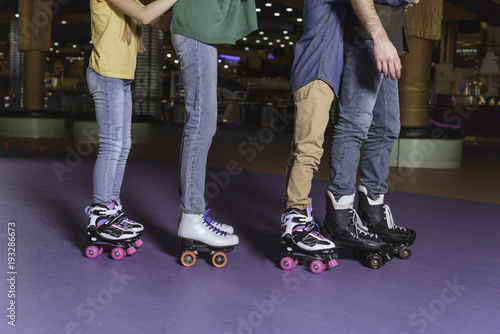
{"points": [[198, 234]]}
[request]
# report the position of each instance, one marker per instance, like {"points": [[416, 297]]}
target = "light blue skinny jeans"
{"points": [[199, 73], [113, 109]]}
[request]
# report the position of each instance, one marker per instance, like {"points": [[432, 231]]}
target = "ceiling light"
{"points": [[261, 33], [299, 19], [276, 14], [289, 9], [285, 32], [268, 4], [258, 10]]}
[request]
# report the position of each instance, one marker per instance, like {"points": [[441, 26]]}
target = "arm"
{"points": [[163, 22], [385, 53], [144, 14]]}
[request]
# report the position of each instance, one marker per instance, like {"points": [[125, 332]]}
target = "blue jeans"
{"points": [[199, 73], [113, 109], [369, 115]]}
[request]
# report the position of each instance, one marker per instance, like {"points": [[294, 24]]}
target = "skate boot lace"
{"points": [[390, 220], [360, 228], [209, 222]]}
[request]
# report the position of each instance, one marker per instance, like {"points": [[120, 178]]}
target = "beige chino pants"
{"points": [[312, 111]]}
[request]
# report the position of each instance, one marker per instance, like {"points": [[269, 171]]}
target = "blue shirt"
{"points": [[319, 54]]}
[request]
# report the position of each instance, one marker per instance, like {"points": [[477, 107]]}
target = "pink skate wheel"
{"points": [[92, 252], [287, 263], [131, 250], [138, 243], [118, 253], [316, 266], [296, 262], [332, 263], [101, 249]]}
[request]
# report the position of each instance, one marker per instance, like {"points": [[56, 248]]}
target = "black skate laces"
{"points": [[360, 227], [210, 223]]}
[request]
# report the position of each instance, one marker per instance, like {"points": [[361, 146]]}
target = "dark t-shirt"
{"points": [[393, 20]]}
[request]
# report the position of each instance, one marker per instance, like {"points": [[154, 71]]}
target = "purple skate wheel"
{"points": [[92, 252], [332, 263], [118, 253], [131, 250], [287, 263], [317, 266], [138, 243]]}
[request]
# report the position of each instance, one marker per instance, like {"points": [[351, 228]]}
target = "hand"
{"points": [[387, 58]]}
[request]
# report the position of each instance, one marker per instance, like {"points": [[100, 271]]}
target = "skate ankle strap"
{"points": [[100, 210]]}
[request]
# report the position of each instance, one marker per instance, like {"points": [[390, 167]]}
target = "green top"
{"points": [[214, 21]]}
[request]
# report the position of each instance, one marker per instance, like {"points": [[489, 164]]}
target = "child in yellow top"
{"points": [[116, 35]]}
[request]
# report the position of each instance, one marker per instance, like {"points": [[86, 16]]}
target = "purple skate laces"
{"points": [[209, 222]]}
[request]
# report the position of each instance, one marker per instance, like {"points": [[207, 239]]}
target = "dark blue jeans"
{"points": [[369, 118]]}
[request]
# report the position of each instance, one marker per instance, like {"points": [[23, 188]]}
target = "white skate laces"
{"points": [[390, 220], [360, 227]]}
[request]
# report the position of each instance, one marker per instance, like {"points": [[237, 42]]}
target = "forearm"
{"points": [[144, 14], [163, 22], [365, 10]]}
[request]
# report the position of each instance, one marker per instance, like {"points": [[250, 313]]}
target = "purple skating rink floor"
{"points": [[450, 284]]}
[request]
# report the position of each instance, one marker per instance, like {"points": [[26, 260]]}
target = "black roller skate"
{"points": [[345, 229], [378, 218], [199, 234], [300, 237], [129, 223], [106, 230]]}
